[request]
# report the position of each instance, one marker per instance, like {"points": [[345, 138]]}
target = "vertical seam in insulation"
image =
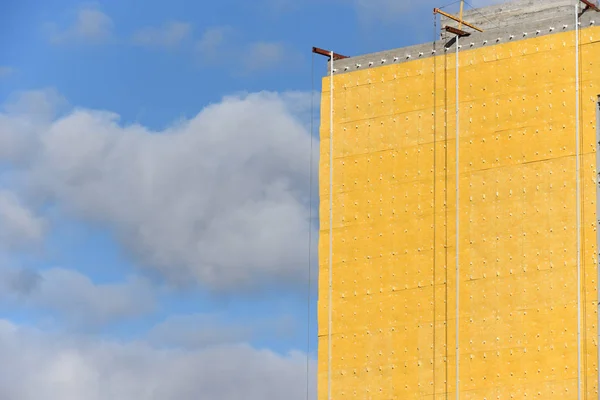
{"points": [[577, 204], [434, 197], [457, 231]]}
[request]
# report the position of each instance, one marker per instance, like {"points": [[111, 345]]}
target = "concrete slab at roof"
{"points": [[515, 13], [507, 22]]}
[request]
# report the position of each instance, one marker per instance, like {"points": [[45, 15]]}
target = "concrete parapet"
{"points": [[517, 20]]}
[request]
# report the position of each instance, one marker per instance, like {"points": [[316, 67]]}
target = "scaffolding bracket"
{"points": [[456, 31], [590, 5], [459, 20], [327, 53]]}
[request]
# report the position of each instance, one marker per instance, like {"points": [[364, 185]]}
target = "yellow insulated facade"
{"points": [[394, 210]]}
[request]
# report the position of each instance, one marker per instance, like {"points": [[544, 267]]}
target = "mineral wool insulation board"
{"points": [[394, 285]]}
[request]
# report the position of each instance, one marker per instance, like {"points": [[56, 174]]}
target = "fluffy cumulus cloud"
{"points": [[73, 298], [219, 200], [48, 367]]}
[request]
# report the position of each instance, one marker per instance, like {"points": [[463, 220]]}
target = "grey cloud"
{"points": [[19, 226], [90, 26], [36, 105], [219, 200], [21, 282], [171, 34], [198, 331], [48, 367], [204, 330], [74, 297], [26, 114]]}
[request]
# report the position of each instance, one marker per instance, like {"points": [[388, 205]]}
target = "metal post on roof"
{"points": [[457, 19]]}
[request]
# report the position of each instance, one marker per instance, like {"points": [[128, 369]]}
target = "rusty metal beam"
{"points": [[327, 53], [456, 31], [460, 21], [590, 5]]}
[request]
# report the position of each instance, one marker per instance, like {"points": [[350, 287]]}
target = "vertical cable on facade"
{"points": [[582, 216], [446, 217], [457, 230], [578, 198], [329, 324], [434, 190], [310, 196], [598, 235]]}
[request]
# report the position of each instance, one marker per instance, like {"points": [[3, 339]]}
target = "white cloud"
{"points": [[90, 26], [25, 115], [48, 367], [19, 226], [171, 34], [39, 105], [74, 298], [219, 200]]}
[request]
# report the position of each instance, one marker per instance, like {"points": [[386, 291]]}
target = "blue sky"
{"points": [[154, 207]]}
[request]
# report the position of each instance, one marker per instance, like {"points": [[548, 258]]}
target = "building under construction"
{"points": [[458, 246]]}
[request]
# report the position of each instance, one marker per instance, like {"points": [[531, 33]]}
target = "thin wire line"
{"points": [[329, 345], [310, 196], [448, 5], [483, 15]]}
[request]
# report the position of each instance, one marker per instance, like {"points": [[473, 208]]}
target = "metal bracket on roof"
{"points": [[456, 31], [328, 53], [589, 5]]}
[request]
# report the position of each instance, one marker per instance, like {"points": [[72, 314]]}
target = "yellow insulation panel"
{"points": [[395, 219]]}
